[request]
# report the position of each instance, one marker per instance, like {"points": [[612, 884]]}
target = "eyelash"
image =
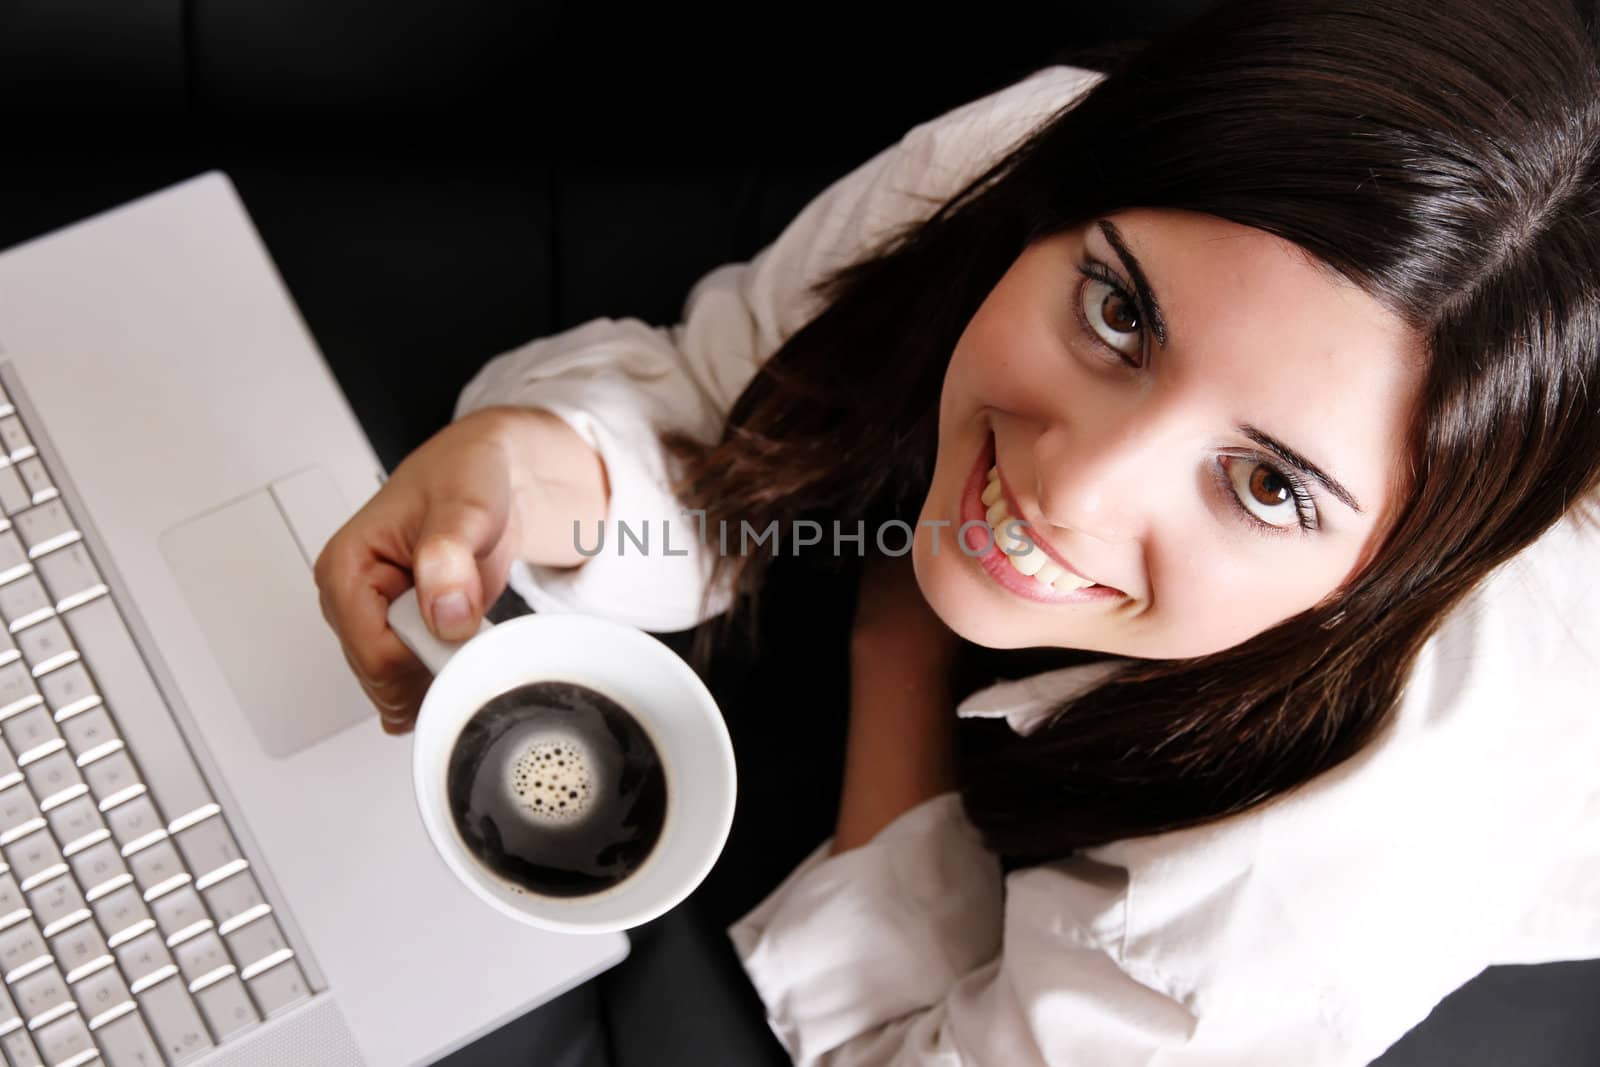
{"points": [[1305, 501], [1094, 270]]}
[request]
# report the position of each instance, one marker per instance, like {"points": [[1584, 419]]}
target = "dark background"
{"points": [[441, 181]]}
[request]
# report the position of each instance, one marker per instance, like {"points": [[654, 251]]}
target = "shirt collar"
{"points": [[1026, 703]]}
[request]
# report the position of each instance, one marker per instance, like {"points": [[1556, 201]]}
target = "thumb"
{"points": [[455, 534]]}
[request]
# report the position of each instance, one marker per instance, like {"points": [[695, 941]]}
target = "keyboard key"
{"points": [[16, 686], [32, 856], [143, 956], [9, 1017], [24, 600], [174, 1020], [29, 730], [13, 905], [8, 765], [126, 1042], [13, 556], [134, 821], [20, 945], [43, 643], [207, 846], [100, 992], [233, 897], [40, 992], [141, 714], [256, 941], [53, 775], [226, 1007], [110, 776], [278, 988], [14, 437], [14, 496], [79, 947], [75, 820], [87, 731], [201, 956], [19, 1049], [17, 808], [56, 900], [69, 573], [119, 910], [180, 911], [155, 868], [63, 1039], [67, 687], [44, 525], [34, 476], [97, 865]]}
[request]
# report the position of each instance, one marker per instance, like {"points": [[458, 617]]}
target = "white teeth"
{"points": [[1069, 581], [1030, 562], [1025, 558]]}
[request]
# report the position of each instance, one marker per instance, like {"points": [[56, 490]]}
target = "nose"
{"points": [[1102, 476]]}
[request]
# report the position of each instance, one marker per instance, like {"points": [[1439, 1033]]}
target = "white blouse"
{"points": [[1315, 930]]}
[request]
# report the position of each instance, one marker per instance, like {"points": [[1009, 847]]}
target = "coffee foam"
{"points": [[552, 779]]}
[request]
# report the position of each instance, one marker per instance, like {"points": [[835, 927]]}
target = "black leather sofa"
{"points": [[439, 182]]}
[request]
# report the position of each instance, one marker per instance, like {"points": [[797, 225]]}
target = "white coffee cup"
{"points": [[632, 668]]}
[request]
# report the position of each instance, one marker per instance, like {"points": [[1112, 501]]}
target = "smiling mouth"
{"points": [[1026, 567], [1031, 562]]}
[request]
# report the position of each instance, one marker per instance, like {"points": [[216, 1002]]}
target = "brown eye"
{"points": [[1119, 313], [1267, 486], [1265, 493], [1113, 316]]}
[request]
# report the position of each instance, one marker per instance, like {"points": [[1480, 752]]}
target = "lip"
{"points": [[994, 562]]}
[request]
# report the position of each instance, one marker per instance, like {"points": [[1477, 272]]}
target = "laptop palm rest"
{"points": [[245, 570]]}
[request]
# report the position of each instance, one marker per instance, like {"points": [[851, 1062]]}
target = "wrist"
{"points": [[555, 480]]}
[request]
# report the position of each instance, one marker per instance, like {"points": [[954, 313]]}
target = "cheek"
{"points": [[1212, 601], [1008, 358]]}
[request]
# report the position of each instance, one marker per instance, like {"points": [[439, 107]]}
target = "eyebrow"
{"points": [[1300, 463], [1141, 284]]}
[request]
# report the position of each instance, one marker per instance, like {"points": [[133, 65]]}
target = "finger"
{"points": [[404, 680], [397, 728], [386, 697], [377, 654], [456, 534]]}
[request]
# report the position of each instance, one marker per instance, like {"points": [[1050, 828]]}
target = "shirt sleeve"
{"points": [[620, 383], [911, 950]]}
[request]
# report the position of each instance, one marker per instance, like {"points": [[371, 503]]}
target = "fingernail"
{"points": [[451, 614]]}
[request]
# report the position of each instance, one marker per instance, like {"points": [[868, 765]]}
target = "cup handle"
{"points": [[405, 619]]}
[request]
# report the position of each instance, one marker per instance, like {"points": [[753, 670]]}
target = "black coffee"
{"points": [[557, 788]]}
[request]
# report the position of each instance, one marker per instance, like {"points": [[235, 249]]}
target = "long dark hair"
{"points": [[1441, 156]]}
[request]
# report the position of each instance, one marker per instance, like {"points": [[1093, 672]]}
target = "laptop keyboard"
{"points": [[132, 931]]}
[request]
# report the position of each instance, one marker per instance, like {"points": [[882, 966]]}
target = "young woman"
{"points": [[1281, 341]]}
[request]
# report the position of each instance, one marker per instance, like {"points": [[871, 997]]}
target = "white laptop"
{"points": [[211, 850]]}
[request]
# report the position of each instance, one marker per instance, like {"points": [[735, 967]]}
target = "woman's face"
{"points": [[1207, 424]]}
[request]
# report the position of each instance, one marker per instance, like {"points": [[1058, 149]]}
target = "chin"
{"points": [[963, 608]]}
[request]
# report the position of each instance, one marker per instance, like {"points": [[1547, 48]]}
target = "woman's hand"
{"points": [[902, 705], [496, 485]]}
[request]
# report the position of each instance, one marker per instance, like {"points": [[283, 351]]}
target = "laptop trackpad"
{"points": [[248, 580]]}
